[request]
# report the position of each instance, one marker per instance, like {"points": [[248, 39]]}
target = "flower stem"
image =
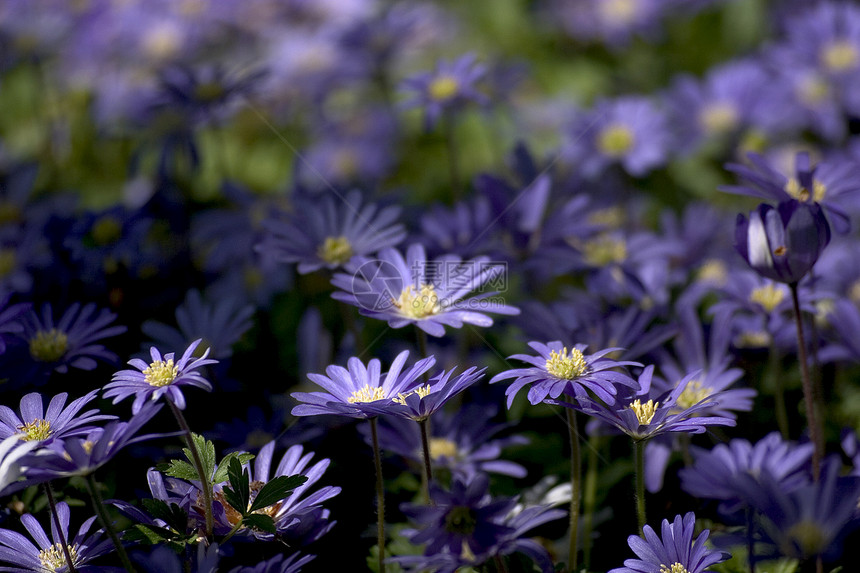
{"points": [[104, 519], [198, 465], [773, 365], [590, 497], [380, 496], [427, 476], [451, 145], [814, 427], [750, 539], [56, 517], [639, 463], [575, 487]]}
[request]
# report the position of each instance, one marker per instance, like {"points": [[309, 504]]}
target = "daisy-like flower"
{"points": [[676, 552], [429, 294], [12, 450], [71, 341], [557, 370], [161, 377], [421, 402], [642, 416], [47, 554], [43, 426], [449, 87], [326, 232], [361, 391]]}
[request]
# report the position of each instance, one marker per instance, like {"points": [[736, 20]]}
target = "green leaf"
{"points": [[238, 494], [173, 515], [150, 534], [206, 450], [223, 467], [181, 470], [276, 490], [260, 521]]}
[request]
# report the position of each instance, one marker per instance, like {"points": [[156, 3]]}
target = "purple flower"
{"points": [[161, 377], [361, 391], [48, 555], [783, 243], [676, 552], [630, 131], [422, 401], [428, 294], [556, 371], [325, 232], [845, 320], [43, 426], [449, 87], [70, 342], [715, 473], [277, 564], [12, 452]]}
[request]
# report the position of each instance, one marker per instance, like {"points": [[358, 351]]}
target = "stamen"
{"points": [[675, 568], [53, 558], [335, 250], [419, 304], [35, 431], [161, 373], [615, 140], [693, 393], [367, 394], [442, 447], [793, 188], [443, 87], [49, 345], [719, 118], [564, 366], [768, 296], [840, 56], [644, 412]]}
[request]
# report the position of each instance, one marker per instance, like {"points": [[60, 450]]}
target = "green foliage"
{"points": [[238, 495]]}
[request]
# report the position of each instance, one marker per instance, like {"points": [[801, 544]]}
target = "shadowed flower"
{"points": [[428, 294], [449, 87], [161, 377], [556, 371], [43, 426], [676, 552], [12, 450], [361, 391], [422, 401], [48, 554], [10, 315]]}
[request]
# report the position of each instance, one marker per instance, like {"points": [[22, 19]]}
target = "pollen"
{"points": [[674, 568], [53, 558], [840, 56], [35, 431], [443, 88], [768, 296], [442, 448], [713, 272], [566, 366], [422, 391], [618, 11], [49, 345], [604, 250], [793, 188], [753, 339], [615, 140], [335, 250], [719, 118], [418, 304], [611, 217], [644, 412], [693, 393], [808, 535], [366, 394], [161, 373], [813, 90]]}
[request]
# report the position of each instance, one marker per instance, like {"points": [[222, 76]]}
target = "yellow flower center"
{"points": [[813, 90], [794, 189], [644, 412], [366, 394], [234, 517], [49, 345], [7, 262], [106, 231], [566, 366], [442, 447], [611, 217], [53, 558], [840, 56], [768, 296], [422, 391], [719, 118], [754, 339], [160, 373], [208, 92], [618, 11], [808, 536], [443, 87], [692, 395], [714, 272], [335, 250], [418, 304], [162, 42], [615, 140], [35, 431], [674, 568], [604, 250]]}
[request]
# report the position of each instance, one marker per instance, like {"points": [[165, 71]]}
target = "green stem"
{"points": [[232, 532], [500, 564], [104, 519], [590, 496], [205, 484], [427, 475], [750, 539], [639, 462], [774, 361], [56, 517], [575, 487], [808, 397], [451, 145], [380, 496]]}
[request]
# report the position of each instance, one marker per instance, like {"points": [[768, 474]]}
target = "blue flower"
{"points": [[161, 377], [449, 87], [422, 401], [57, 422], [676, 552], [428, 294]]}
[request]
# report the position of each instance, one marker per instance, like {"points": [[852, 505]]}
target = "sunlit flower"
{"points": [[43, 426]]}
